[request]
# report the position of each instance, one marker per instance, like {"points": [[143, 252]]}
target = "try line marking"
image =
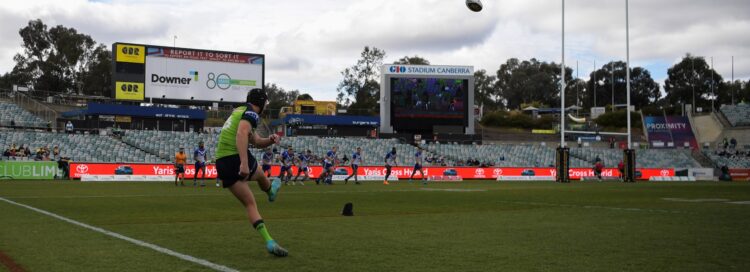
{"points": [[170, 252]]}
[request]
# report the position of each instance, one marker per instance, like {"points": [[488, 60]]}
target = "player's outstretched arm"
{"points": [[260, 142]]}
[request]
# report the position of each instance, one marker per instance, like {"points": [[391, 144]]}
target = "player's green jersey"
{"points": [[227, 143]]}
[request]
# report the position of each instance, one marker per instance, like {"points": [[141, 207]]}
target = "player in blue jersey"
{"points": [[390, 161], [199, 155], [418, 165], [266, 160], [328, 163], [356, 161], [287, 161], [303, 161]]}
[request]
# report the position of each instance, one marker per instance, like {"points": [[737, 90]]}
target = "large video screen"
{"points": [[146, 71], [429, 98]]}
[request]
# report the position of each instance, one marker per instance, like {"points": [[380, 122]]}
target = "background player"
{"points": [[179, 166], [356, 160], [287, 161], [199, 155], [328, 164], [302, 162], [390, 161], [236, 165], [267, 159], [418, 165]]}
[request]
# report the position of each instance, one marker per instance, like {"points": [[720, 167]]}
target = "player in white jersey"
{"points": [[199, 155], [390, 161], [356, 161], [287, 161], [418, 165], [302, 166]]}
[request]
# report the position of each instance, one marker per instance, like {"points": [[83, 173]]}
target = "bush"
{"points": [[618, 119], [517, 120]]}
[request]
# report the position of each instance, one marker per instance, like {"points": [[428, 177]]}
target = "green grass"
{"points": [[535, 226]]}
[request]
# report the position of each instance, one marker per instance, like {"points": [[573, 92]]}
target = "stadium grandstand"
{"points": [[13, 115], [737, 115]]}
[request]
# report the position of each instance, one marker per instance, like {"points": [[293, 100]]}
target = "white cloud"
{"points": [[308, 43]]}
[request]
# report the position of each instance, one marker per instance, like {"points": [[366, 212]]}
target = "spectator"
{"points": [[63, 164], [611, 142], [579, 142], [733, 142], [621, 168], [13, 123], [49, 126], [598, 167], [27, 152], [69, 127], [725, 143]]}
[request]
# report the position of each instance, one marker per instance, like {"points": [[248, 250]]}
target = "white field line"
{"points": [[159, 249]]}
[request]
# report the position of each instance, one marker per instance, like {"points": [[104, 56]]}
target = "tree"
{"points": [[360, 88], [415, 60], [528, 81], [741, 91], [60, 59], [278, 98], [485, 91], [305, 96], [575, 91], [690, 79], [643, 88]]}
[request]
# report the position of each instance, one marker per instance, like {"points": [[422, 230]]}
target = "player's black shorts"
{"points": [[180, 169], [417, 167], [266, 167], [354, 168], [228, 168], [388, 168]]}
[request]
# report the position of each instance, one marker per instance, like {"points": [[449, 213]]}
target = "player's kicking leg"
{"points": [[243, 193]]}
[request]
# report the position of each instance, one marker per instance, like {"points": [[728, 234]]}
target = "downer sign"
{"points": [[170, 80]]}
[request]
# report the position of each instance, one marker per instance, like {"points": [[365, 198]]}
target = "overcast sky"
{"points": [[308, 42]]}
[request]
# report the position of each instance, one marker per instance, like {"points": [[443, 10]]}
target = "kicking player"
{"points": [[199, 155], [328, 164], [236, 164], [267, 159], [390, 161], [418, 165], [303, 159], [287, 161], [356, 160], [179, 166]]}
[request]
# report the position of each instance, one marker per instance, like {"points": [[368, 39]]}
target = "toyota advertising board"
{"points": [[402, 172], [171, 73]]}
